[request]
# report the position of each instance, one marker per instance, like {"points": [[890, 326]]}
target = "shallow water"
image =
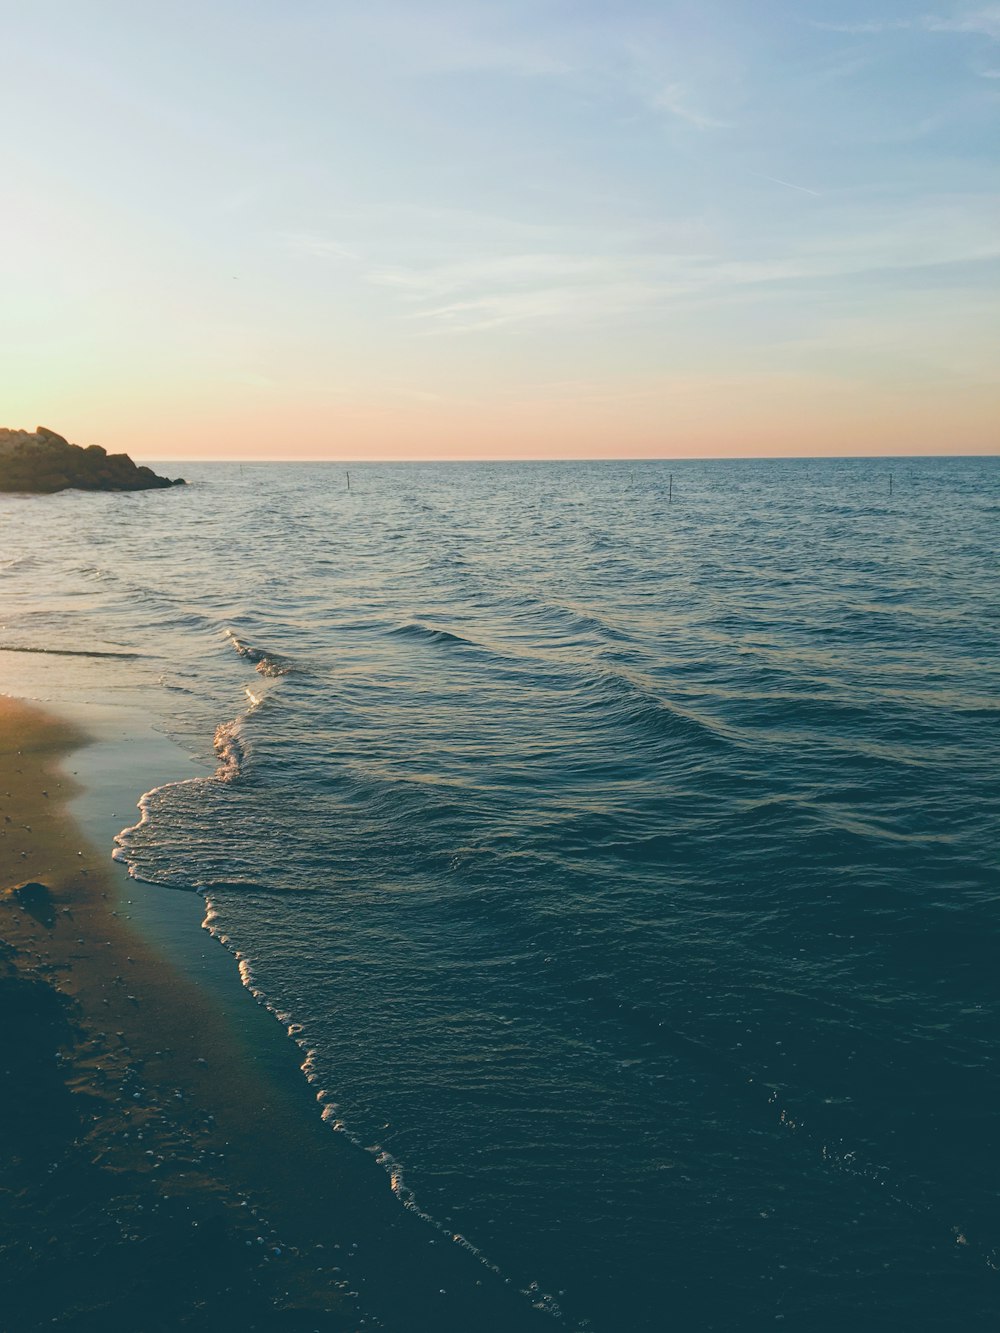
{"points": [[624, 865]]}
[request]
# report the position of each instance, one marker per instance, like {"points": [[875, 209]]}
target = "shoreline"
{"points": [[173, 1170], [120, 1209]]}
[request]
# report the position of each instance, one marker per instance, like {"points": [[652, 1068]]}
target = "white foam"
{"points": [[231, 750]]}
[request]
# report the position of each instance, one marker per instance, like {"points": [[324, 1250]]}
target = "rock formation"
{"points": [[43, 462]]}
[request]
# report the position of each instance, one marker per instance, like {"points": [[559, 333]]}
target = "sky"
{"points": [[463, 229]]}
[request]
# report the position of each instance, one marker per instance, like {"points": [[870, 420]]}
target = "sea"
{"points": [[617, 841]]}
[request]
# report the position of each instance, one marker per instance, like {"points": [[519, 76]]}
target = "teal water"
{"points": [[625, 866]]}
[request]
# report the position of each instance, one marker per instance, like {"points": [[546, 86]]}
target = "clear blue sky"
{"points": [[446, 229]]}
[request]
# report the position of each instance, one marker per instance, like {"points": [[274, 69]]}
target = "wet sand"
{"points": [[154, 1172]]}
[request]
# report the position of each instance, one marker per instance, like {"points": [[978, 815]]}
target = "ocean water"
{"points": [[623, 862]]}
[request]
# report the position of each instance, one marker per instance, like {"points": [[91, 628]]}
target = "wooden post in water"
{"points": [[348, 481], [890, 483], [670, 490]]}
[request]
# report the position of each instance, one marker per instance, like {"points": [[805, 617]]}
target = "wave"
{"points": [[70, 652], [331, 1115], [268, 664], [230, 750], [639, 707], [567, 619], [231, 754], [414, 630]]}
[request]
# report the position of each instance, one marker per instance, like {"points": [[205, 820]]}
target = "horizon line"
{"points": [[670, 458]]}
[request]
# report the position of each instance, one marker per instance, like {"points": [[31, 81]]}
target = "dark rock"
{"points": [[50, 436], [44, 462], [36, 901]]}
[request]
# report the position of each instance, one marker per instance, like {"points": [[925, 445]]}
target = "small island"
{"points": [[42, 462]]}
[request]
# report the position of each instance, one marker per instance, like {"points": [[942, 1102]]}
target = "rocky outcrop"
{"points": [[43, 462]]}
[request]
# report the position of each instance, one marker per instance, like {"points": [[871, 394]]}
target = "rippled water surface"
{"points": [[625, 865]]}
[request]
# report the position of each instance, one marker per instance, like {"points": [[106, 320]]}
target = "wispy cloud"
{"points": [[789, 185], [512, 271], [864, 27], [574, 290], [982, 22], [674, 99], [324, 247]]}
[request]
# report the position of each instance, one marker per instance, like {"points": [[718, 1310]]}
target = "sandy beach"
{"points": [[153, 1173]]}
